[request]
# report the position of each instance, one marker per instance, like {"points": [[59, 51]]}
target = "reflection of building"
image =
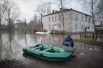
{"points": [[20, 26], [74, 21]]}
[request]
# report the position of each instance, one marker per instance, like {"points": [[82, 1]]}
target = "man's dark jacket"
{"points": [[68, 42]]}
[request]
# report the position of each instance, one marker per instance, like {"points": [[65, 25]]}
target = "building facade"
{"points": [[20, 26], [74, 21]]}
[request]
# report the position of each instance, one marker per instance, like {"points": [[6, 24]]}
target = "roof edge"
{"points": [[65, 10]]}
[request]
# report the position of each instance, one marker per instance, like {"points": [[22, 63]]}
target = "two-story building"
{"points": [[74, 21]]}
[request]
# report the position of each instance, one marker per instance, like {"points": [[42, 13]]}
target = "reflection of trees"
{"points": [[53, 39], [86, 46], [25, 40], [10, 48], [33, 39], [95, 38], [89, 37], [0, 45], [38, 39]]}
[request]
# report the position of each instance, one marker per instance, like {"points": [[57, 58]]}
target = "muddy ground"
{"points": [[92, 59]]}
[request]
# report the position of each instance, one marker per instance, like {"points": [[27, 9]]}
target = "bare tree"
{"points": [[2, 11], [99, 9], [25, 24], [33, 23], [41, 10], [62, 4], [48, 7], [44, 8], [61, 7], [12, 12], [91, 5]]}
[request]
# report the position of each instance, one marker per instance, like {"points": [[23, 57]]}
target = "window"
{"points": [[52, 18], [55, 18], [82, 18], [53, 27], [59, 25], [75, 26], [86, 18], [55, 24], [49, 19], [82, 26], [101, 22], [89, 20], [92, 26], [59, 17], [49, 26], [88, 27], [76, 16]]}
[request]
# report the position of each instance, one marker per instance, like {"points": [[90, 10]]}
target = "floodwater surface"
{"points": [[87, 54]]}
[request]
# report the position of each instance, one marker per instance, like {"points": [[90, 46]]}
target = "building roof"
{"points": [[65, 10]]}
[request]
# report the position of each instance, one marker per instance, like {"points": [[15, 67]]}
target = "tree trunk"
{"points": [[85, 31], [93, 19], [63, 22], [0, 25], [41, 21]]}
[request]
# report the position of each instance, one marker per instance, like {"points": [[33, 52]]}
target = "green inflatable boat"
{"points": [[48, 52]]}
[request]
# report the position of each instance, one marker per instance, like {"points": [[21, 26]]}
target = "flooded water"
{"points": [[87, 54]]}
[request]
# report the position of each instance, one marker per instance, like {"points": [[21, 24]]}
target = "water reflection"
{"points": [[87, 46], [0, 45], [11, 44], [9, 48], [87, 37]]}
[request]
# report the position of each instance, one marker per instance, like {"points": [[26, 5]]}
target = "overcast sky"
{"points": [[28, 7]]}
